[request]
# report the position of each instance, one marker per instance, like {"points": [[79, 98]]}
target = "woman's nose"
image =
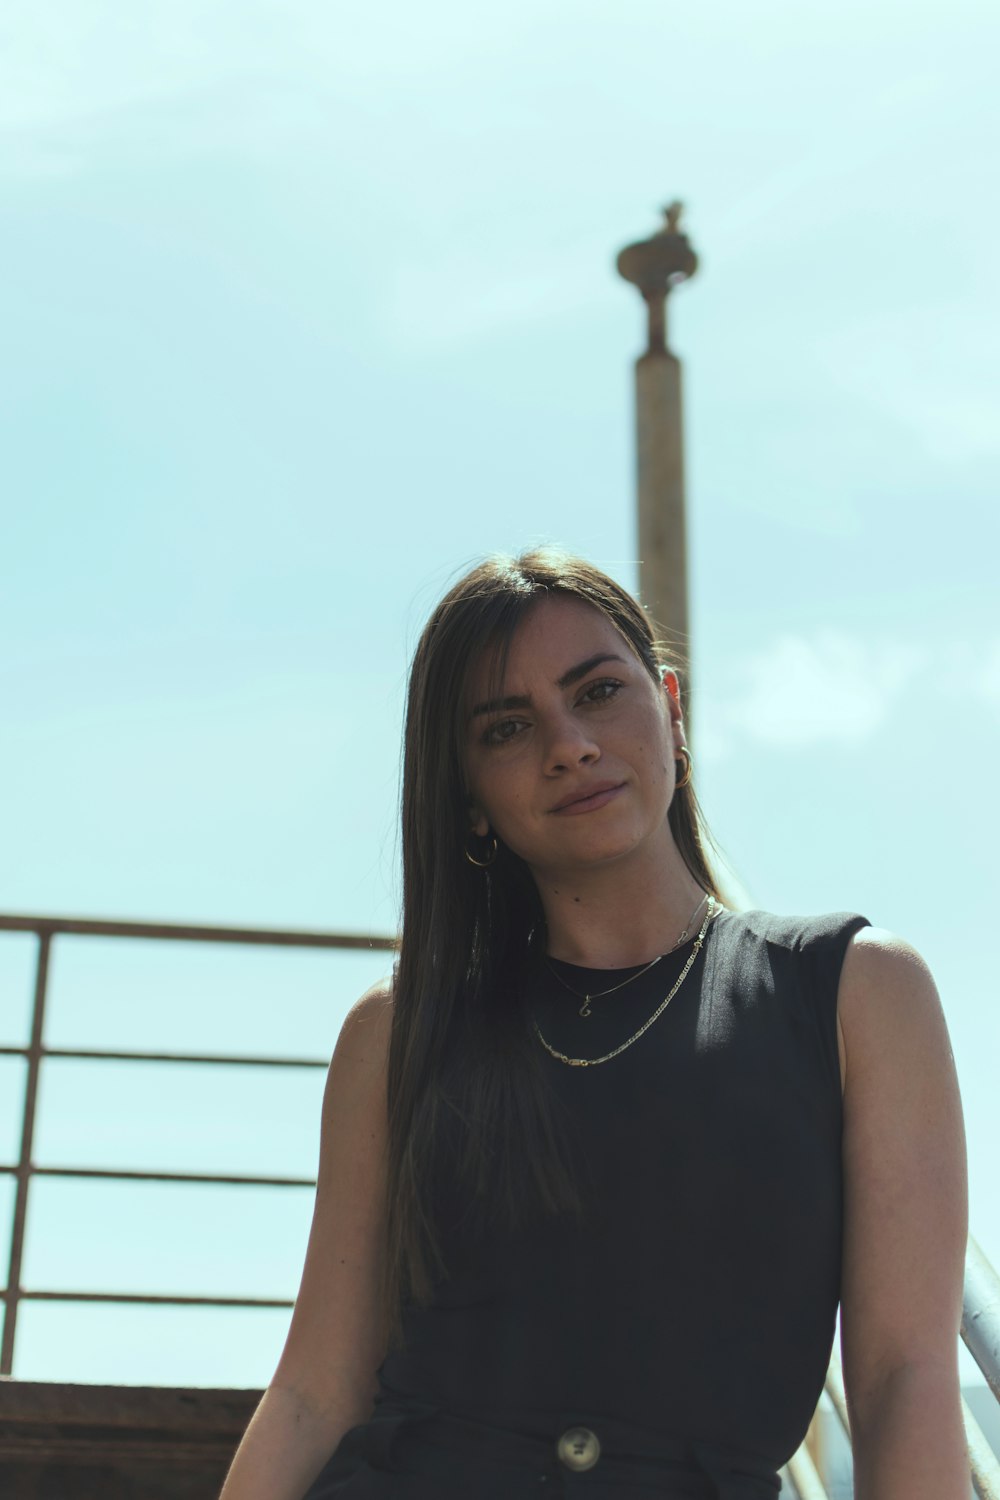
{"points": [[569, 745]]}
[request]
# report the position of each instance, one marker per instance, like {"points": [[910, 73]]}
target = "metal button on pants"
{"points": [[578, 1448]]}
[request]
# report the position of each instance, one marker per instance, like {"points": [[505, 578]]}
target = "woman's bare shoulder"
{"points": [[359, 1059], [367, 1025], [884, 970], [886, 991], [362, 1048], [883, 940]]}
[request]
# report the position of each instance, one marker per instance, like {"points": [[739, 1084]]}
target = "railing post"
{"points": [[981, 1314], [983, 1464], [12, 1296]]}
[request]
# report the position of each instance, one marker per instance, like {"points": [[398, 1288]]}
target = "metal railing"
{"points": [[981, 1307], [47, 929], [981, 1336]]}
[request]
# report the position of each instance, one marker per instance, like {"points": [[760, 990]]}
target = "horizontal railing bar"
{"points": [[190, 932], [125, 1175], [150, 1299], [92, 1054], [981, 1314]]}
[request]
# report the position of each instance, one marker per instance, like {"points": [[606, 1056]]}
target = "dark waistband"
{"points": [[417, 1434]]}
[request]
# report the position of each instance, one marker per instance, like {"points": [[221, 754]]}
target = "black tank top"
{"points": [[697, 1301]]}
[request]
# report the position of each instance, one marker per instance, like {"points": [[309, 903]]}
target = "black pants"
{"points": [[412, 1452]]}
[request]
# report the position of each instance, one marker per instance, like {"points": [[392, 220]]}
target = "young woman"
{"points": [[598, 1166]]}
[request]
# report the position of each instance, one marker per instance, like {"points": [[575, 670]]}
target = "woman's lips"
{"points": [[588, 804]]}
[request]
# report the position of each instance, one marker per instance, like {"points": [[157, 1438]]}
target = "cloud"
{"points": [[836, 688], [989, 677], [800, 691], [972, 670]]}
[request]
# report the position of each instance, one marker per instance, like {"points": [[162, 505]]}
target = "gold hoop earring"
{"points": [[483, 864], [688, 763]]}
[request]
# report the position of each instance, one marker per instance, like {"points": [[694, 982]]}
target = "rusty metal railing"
{"points": [[981, 1309], [47, 929]]}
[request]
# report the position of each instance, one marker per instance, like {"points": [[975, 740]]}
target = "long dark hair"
{"points": [[460, 1048]]}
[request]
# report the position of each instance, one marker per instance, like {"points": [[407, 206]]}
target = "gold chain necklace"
{"points": [[591, 1062], [600, 994]]}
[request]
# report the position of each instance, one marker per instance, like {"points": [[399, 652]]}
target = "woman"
{"points": [[598, 1166]]}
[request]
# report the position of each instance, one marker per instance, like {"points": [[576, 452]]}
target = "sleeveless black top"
{"points": [[697, 1301]]}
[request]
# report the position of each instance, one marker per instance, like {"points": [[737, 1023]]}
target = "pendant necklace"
{"points": [[600, 994]]}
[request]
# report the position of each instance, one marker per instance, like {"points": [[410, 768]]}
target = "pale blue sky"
{"points": [[306, 308]]}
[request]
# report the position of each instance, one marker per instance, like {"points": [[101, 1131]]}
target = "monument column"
{"points": [[655, 266]]}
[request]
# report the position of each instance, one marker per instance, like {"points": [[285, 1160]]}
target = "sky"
{"points": [[307, 308]]}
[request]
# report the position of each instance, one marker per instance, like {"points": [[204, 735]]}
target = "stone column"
{"points": [[655, 266]]}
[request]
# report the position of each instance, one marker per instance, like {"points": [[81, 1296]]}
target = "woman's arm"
{"points": [[905, 1227], [324, 1382]]}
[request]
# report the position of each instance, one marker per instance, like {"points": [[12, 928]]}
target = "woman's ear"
{"points": [[479, 823], [673, 691]]}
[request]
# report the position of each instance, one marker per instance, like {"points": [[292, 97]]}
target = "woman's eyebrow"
{"points": [[523, 700]]}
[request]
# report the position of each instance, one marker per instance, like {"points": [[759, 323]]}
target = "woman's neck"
{"points": [[612, 917]]}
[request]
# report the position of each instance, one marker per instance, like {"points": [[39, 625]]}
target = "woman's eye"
{"points": [[501, 732], [601, 692], [505, 730]]}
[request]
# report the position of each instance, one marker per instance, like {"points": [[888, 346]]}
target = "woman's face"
{"points": [[573, 764]]}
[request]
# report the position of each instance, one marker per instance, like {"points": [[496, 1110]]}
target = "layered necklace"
{"points": [[600, 994], [590, 1062]]}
